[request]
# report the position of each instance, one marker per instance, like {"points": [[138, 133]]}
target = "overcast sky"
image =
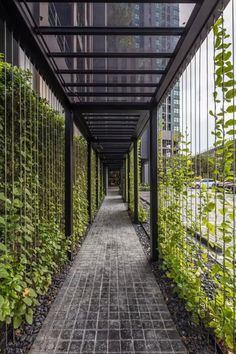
{"points": [[196, 88]]}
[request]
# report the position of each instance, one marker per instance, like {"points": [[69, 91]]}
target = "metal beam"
{"points": [[128, 179], [110, 129], [81, 125], [103, 123], [113, 55], [107, 84], [111, 31], [68, 175], [115, 153], [114, 125], [136, 196], [119, 144], [115, 149], [106, 180], [199, 25], [101, 178], [120, 151], [110, 72], [124, 179], [113, 161], [97, 178], [112, 135], [118, 2], [110, 94], [153, 185], [89, 176], [113, 140], [110, 148], [110, 106], [111, 132], [108, 120], [111, 115]]}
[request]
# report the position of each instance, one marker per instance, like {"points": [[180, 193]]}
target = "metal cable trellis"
{"points": [[197, 186]]}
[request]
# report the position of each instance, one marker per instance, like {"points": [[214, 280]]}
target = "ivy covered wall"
{"points": [[204, 272], [100, 184], [94, 183], [80, 200], [33, 246]]}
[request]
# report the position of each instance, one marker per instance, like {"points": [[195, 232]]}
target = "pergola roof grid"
{"points": [[150, 56]]}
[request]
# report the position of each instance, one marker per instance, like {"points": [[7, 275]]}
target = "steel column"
{"points": [[124, 180], [89, 190], [121, 179], [128, 179], [106, 176], [101, 178], [97, 177], [153, 185], [68, 175], [136, 196]]}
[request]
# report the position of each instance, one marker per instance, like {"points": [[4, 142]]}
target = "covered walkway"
{"points": [[110, 302], [139, 95]]}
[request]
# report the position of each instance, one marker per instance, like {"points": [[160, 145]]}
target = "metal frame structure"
{"points": [[109, 125], [69, 174]]}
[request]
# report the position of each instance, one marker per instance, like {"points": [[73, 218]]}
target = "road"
{"points": [[194, 202]]}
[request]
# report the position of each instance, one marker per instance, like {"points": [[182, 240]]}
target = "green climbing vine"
{"points": [[141, 211], [33, 246], [80, 200], [94, 182], [32, 242], [131, 181], [187, 262]]}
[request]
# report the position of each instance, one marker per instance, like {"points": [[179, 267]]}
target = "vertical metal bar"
{"points": [[89, 191], [153, 185], [97, 180], [121, 180], [106, 179], [136, 181], [124, 182], [101, 179], [68, 174], [128, 179]]}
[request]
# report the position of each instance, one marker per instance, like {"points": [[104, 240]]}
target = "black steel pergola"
{"points": [[111, 88]]}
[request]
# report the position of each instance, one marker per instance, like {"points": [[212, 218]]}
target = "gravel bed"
{"points": [[195, 336], [21, 340]]}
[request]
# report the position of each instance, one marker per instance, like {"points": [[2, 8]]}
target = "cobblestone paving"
{"points": [[110, 302]]}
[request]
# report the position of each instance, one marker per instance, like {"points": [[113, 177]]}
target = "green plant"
{"points": [[144, 187], [131, 181], [187, 262], [80, 201], [94, 183], [142, 212], [32, 241]]}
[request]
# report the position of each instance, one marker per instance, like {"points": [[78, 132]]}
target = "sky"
{"points": [[196, 88]]}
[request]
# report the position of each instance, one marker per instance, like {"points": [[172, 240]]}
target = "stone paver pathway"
{"points": [[110, 302]]}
